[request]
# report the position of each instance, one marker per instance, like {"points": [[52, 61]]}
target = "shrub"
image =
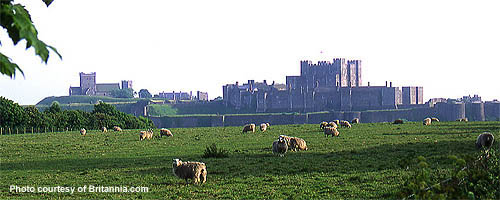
{"points": [[476, 178], [213, 152]]}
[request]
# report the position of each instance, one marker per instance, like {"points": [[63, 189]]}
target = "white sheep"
{"points": [[165, 132], [249, 127], [322, 125], [355, 121], [117, 128], [190, 170], [434, 119], [280, 147], [104, 129], [485, 140], [345, 124], [83, 131], [332, 124], [427, 121], [297, 144], [263, 127], [331, 131]]}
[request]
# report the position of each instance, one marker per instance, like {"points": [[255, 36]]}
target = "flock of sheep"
{"points": [[197, 171]]}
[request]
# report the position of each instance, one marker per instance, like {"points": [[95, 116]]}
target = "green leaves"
{"points": [[17, 21]]}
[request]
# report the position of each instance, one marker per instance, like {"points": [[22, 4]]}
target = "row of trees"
{"points": [[104, 115]]}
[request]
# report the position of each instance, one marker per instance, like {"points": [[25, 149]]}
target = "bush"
{"points": [[213, 152], [476, 178]]}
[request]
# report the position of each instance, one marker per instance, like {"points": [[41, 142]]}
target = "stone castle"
{"points": [[334, 86], [89, 87]]}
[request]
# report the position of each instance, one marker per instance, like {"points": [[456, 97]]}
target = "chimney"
{"points": [[368, 83], [390, 84], [265, 82], [236, 83], [385, 83]]}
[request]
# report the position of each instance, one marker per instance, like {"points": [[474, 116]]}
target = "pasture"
{"points": [[367, 161]]}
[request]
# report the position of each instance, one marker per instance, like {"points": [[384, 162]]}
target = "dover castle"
{"points": [[328, 85]]}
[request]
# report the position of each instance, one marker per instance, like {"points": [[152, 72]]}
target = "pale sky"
{"points": [[451, 47]]}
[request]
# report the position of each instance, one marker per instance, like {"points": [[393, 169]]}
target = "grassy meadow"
{"points": [[367, 161]]}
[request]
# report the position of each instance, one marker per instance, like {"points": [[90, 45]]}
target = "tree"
{"points": [[16, 19], [54, 108], [144, 93], [123, 93], [11, 114]]}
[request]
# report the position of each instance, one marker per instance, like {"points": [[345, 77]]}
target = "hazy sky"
{"points": [[451, 48]]}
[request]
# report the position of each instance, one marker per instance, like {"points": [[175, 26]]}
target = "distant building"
{"points": [[201, 96], [323, 86], [176, 96], [89, 87], [126, 84]]}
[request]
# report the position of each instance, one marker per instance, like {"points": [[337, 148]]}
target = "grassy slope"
{"points": [[361, 163]]}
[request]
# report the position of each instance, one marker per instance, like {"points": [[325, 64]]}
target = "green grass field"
{"points": [[366, 161]]}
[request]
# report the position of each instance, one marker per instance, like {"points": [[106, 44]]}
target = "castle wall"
{"points": [[474, 111], [492, 110]]}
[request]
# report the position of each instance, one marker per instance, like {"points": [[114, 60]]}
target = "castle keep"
{"points": [[335, 85], [89, 87]]}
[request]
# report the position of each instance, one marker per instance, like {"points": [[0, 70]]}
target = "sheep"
{"points": [[165, 132], [297, 144], [427, 121], [268, 125], [355, 121], [280, 146], [485, 140], [83, 131], [462, 120], [332, 124], [331, 131], [249, 127], [143, 135], [104, 129], [190, 170], [150, 133], [117, 128], [337, 122], [345, 124], [263, 127], [323, 125], [398, 121], [286, 138], [434, 119]]}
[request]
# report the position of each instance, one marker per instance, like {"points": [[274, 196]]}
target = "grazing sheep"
{"points": [[398, 121], [117, 128], [345, 124], [323, 125], [286, 138], [331, 131], [463, 120], [485, 140], [143, 135], [332, 124], [146, 134], [249, 127], [355, 121], [434, 119], [297, 144], [427, 121], [280, 146], [83, 131], [190, 170], [104, 129], [263, 127], [165, 132], [268, 125], [337, 122]]}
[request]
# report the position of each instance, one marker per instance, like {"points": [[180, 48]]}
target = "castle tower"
{"points": [[126, 84], [88, 83]]}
